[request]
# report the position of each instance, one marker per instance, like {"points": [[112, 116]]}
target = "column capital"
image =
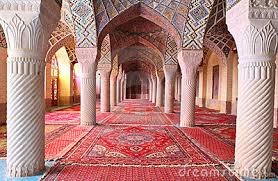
{"points": [[254, 26], [87, 59], [189, 61], [27, 26]]}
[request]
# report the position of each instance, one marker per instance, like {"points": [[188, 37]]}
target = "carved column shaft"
{"points": [[257, 50], [122, 87], [153, 89], [176, 88], [159, 77], [119, 77], [113, 90], [170, 75], [87, 59], [105, 90], [150, 89], [179, 87], [189, 61], [125, 82]]}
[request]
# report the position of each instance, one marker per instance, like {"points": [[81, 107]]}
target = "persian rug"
{"points": [[98, 173], [53, 132], [215, 145], [120, 145], [214, 118], [225, 132], [55, 148], [132, 109], [101, 117], [62, 118], [206, 119], [174, 118], [139, 118]]}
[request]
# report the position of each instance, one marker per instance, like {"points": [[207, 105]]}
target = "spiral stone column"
{"points": [[119, 77], [176, 88], [113, 81], [150, 89], [159, 77], [170, 75], [189, 61], [113, 89], [179, 87], [87, 59], [256, 38], [153, 77], [105, 87], [25, 35], [122, 87], [125, 82]]}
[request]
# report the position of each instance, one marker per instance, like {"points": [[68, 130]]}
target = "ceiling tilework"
{"points": [[175, 11], [140, 52], [84, 22], [66, 15], [156, 38], [171, 54], [138, 66], [59, 33], [194, 30], [105, 51], [218, 38], [71, 54], [231, 4]]}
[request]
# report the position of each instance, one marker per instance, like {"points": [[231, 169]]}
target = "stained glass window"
{"points": [[54, 68]]}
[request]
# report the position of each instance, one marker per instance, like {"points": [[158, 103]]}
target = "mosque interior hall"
{"points": [[138, 90]]}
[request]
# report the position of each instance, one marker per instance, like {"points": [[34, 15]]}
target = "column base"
{"points": [[187, 124], [26, 170], [88, 124]]}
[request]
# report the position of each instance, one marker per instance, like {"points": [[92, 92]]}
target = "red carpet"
{"points": [[136, 146], [140, 118], [107, 173], [74, 108], [141, 109], [59, 117], [206, 118], [55, 148], [211, 143]]}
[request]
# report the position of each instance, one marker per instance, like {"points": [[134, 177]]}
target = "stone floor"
{"points": [[137, 141]]}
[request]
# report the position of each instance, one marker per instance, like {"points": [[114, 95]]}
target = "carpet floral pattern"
{"points": [[136, 146]]}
